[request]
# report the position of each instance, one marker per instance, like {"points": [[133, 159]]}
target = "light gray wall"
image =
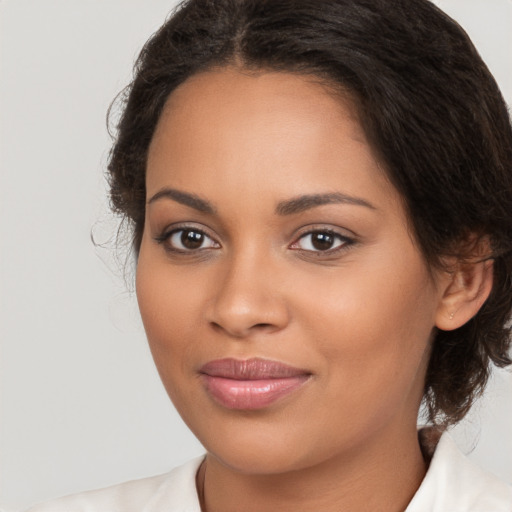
{"points": [[81, 405]]}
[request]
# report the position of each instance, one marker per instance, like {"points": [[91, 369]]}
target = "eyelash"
{"points": [[344, 241]]}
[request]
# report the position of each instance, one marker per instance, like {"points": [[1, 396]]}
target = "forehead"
{"points": [[256, 87], [277, 99], [259, 131]]}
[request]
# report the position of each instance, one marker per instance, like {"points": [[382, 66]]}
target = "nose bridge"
{"points": [[248, 297]]}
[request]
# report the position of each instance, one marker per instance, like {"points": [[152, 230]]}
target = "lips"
{"points": [[250, 384]]}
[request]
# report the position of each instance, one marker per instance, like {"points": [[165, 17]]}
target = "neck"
{"points": [[381, 474]]}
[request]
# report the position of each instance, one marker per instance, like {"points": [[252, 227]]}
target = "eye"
{"points": [[321, 241], [187, 240]]}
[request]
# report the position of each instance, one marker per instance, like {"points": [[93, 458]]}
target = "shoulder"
{"points": [[455, 483], [153, 494]]}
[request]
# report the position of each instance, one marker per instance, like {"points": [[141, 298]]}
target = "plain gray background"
{"points": [[81, 405]]}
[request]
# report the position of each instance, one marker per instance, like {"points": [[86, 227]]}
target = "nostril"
{"points": [[240, 331]]}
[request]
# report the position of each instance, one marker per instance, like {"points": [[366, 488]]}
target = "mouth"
{"points": [[250, 384]]}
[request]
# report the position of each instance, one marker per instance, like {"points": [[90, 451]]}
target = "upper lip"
{"points": [[250, 369]]}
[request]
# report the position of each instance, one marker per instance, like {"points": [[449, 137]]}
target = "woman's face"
{"points": [[272, 234]]}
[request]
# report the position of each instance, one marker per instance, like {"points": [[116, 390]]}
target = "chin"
{"points": [[258, 444], [258, 460]]}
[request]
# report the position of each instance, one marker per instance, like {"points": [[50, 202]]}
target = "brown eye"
{"points": [[321, 241], [189, 239]]}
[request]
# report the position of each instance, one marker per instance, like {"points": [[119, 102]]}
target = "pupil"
{"points": [[192, 239], [322, 241]]}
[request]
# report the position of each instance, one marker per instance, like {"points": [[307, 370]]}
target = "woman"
{"points": [[320, 193]]}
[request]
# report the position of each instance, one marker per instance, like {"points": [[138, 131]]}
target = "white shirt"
{"points": [[452, 484]]}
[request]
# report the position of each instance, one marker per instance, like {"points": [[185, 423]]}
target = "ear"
{"points": [[465, 289]]}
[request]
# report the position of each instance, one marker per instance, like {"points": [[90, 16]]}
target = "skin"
{"points": [[359, 317]]}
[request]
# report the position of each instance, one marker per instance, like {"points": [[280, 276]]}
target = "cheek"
{"points": [[373, 325], [169, 311]]}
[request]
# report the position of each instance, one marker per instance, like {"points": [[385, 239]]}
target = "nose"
{"points": [[248, 299]]}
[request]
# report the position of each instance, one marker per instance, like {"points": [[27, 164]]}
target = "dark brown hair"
{"points": [[430, 109]]}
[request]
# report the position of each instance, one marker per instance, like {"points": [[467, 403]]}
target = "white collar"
{"points": [[453, 483]]}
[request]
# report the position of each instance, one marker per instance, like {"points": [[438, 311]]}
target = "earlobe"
{"points": [[465, 291]]}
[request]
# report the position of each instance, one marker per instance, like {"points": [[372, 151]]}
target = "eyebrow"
{"points": [[184, 198], [305, 202], [288, 207]]}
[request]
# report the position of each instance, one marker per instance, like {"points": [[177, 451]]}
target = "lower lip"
{"points": [[251, 394]]}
